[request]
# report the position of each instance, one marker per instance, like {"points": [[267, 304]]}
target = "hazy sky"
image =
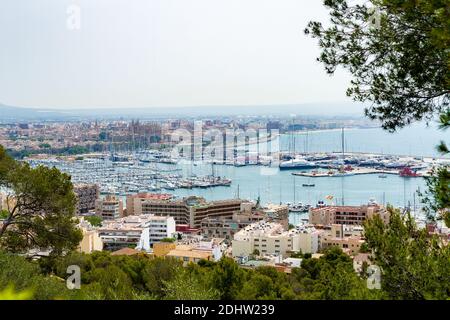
{"points": [[141, 53]]}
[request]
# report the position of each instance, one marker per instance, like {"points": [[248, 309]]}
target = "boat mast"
{"points": [[294, 189]]}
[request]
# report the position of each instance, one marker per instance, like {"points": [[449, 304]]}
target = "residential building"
{"points": [[160, 228], [270, 238], [207, 250], [307, 238], [342, 236], [224, 227], [139, 232], [188, 254], [109, 208], [87, 195], [191, 210], [185, 229], [348, 215], [134, 201], [161, 249], [277, 213]]}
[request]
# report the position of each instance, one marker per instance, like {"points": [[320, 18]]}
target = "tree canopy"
{"points": [[40, 209], [396, 51], [414, 264]]}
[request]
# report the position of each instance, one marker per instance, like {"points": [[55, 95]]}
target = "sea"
{"points": [[252, 182]]}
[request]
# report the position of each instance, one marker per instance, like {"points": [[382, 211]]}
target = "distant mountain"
{"points": [[9, 113], [327, 109]]}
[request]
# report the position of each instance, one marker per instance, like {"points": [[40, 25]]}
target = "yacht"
{"points": [[297, 164], [298, 208]]}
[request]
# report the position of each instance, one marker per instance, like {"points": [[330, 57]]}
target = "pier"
{"points": [[354, 172]]}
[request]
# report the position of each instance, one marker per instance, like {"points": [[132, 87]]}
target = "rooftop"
{"points": [[137, 222]]}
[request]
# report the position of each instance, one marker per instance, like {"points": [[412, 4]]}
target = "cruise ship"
{"points": [[297, 164]]}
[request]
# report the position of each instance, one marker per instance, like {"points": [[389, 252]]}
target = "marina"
{"points": [[349, 177]]}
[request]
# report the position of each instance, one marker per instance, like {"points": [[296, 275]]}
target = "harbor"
{"points": [[288, 177]]}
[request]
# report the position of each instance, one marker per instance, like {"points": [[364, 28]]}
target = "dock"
{"points": [[354, 172]]}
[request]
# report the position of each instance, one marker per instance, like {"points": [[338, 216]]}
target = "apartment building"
{"points": [[345, 237], [139, 232], [270, 238], [109, 208], [87, 195], [134, 201], [224, 227], [277, 213], [307, 238], [348, 215], [191, 210], [160, 228]]}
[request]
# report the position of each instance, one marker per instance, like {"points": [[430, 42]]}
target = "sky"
{"points": [[162, 53]]}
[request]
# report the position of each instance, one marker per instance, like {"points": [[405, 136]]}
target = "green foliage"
{"points": [[42, 214], [364, 248], [398, 55], [227, 278], [187, 286], [414, 265], [44, 146], [3, 214], [298, 254], [332, 278], [170, 240], [10, 294], [95, 221], [26, 277], [157, 272], [258, 287], [437, 196]]}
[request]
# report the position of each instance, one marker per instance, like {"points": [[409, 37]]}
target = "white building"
{"points": [[270, 238], [308, 239], [139, 232], [160, 228]]}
